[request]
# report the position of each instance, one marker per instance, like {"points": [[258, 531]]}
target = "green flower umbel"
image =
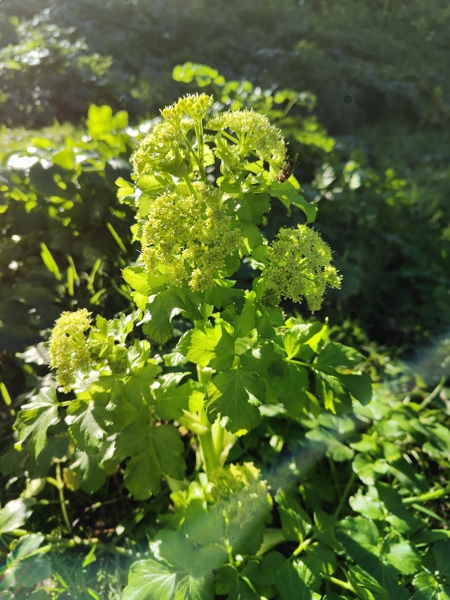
{"points": [[191, 236], [68, 348], [299, 266]]}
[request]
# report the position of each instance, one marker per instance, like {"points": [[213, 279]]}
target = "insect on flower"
{"points": [[287, 169]]}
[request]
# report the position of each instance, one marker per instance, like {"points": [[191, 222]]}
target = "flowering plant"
{"points": [[200, 189]]}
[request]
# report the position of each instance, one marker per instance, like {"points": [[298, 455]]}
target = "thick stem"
{"points": [[61, 497], [210, 456]]}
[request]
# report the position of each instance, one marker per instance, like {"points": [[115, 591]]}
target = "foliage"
{"points": [[63, 234]]}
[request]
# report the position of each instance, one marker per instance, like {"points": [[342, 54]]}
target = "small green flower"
{"points": [[299, 266], [68, 347], [191, 236], [118, 360]]}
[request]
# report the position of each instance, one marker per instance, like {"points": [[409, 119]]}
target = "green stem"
{"points": [[75, 541], [340, 583], [301, 547], [210, 456], [187, 181], [344, 496], [61, 496], [433, 394], [299, 362], [201, 150], [428, 496]]}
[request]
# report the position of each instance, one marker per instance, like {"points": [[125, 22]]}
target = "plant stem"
{"points": [[340, 583], [75, 541], [433, 394], [345, 494], [299, 362], [210, 456], [301, 547], [61, 496], [427, 496]]}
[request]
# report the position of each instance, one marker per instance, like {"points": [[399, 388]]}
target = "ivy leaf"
{"points": [[36, 417], [160, 310], [149, 580], [234, 395], [14, 514]]}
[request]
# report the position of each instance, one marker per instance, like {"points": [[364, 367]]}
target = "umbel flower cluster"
{"points": [[299, 266], [239, 492], [68, 348], [194, 232]]}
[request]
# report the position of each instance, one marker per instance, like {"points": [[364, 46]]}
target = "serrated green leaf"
{"points": [[290, 388], [162, 453], [336, 355], [195, 588], [87, 466], [159, 313], [404, 558], [428, 588], [23, 570], [138, 385], [295, 522], [149, 580], [234, 395], [359, 385], [141, 281], [83, 427], [15, 513], [36, 417], [290, 585]]}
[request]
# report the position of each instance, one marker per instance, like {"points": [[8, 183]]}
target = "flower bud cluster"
{"points": [[68, 347], [165, 148], [191, 236], [299, 266], [118, 360], [239, 492], [254, 135]]}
